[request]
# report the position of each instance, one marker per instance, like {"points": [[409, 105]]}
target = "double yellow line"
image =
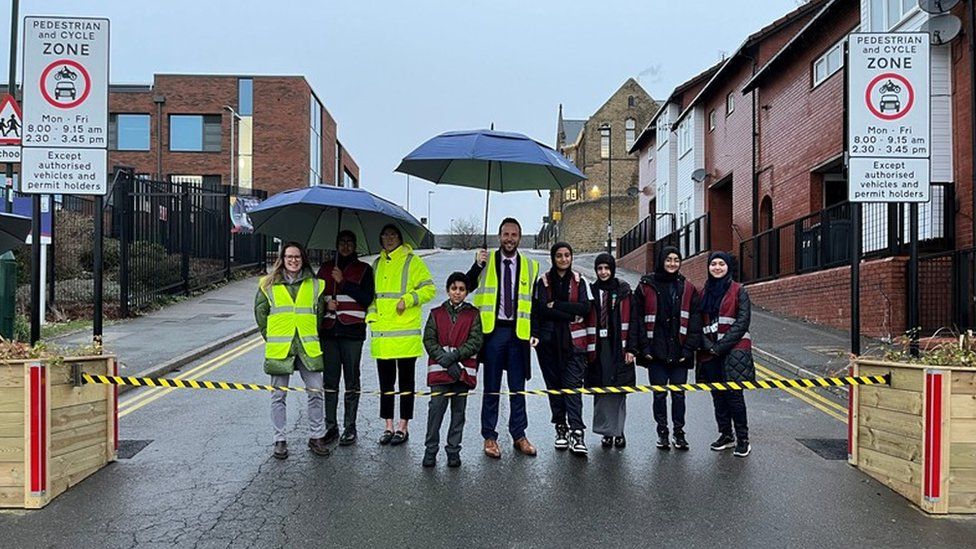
{"points": [[142, 399], [809, 396]]}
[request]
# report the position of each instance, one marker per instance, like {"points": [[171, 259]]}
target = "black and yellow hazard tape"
{"points": [[802, 383]]}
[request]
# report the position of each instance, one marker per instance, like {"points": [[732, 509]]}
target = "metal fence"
{"points": [[176, 237], [691, 239], [643, 232], [822, 240], [946, 291]]}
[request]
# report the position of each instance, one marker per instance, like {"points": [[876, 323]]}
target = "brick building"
{"points": [[579, 215], [775, 192], [182, 126]]}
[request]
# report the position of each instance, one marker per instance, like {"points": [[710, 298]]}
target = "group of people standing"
{"points": [[584, 335]]}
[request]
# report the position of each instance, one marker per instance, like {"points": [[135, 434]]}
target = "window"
{"points": [[730, 103], [885, 14], [245, 97], [662, 133], [315, 143], [604, 144], [711, 120], [684, 138], [829, 63], [571, 194], [684, 212], [631, 102], [348, 179], [630, 131], [194, 133], [128, 132]]}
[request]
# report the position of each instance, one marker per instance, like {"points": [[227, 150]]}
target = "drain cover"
{"points": [[827, 448], [129, 448]]}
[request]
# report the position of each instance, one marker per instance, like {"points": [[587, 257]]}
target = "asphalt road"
{"points": [[207, 479]]}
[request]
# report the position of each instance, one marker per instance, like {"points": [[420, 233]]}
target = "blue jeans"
{"points": [[504, 351]]}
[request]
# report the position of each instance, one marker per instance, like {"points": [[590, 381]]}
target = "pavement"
{"points": [[205, 476]]}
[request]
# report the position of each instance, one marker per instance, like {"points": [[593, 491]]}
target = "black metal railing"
{"points": [[943, 305], [176, 237], [822, 240], [643, 232], [691, 239]]}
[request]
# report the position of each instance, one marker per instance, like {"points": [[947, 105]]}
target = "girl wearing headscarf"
{"points": [[610, 357], [560, 304], [726, 353], [666, 322]]}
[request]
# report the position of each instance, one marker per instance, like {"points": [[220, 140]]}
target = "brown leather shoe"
{"points": [[319, 447], [524, 446], [491, 449]]}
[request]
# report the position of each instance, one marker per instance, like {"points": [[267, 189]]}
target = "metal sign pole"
{"points": [[97, 269], [913, 297], [12, 90], [36, 312]]}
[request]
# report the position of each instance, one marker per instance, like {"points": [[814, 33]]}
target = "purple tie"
{"points": [[507, 304]]}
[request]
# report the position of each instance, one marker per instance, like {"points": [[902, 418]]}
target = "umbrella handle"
{"points": [[487, 199]]}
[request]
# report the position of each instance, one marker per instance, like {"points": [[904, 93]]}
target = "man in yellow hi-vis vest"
{"points": [[502, 284], [287, 308]]}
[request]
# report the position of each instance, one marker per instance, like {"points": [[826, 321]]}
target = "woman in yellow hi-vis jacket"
{"points": [[403, 284], [287, 309]]}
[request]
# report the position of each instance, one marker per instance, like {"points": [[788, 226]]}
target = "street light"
{"points": [[234, 116], [606, 131], [428, 208]]}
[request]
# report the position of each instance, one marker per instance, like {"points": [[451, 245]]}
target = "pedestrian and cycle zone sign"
{"points": [[889, 142]]}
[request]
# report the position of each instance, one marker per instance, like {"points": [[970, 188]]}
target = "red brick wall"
{"points": [[695, 269], [825, 297], [801, 127], [962, 137], [280, 129], [639, 260]]}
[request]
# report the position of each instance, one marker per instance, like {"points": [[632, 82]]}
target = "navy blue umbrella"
{"points": [[490, 160], [14, 230], [313, 217]]}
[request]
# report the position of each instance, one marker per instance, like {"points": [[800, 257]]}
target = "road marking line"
{"points": [[811, 393], [801, 395], [191, 371], [159, 393]]}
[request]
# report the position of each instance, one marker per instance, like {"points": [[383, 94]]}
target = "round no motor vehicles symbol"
{"points": [[65, 84], [889, 96]]}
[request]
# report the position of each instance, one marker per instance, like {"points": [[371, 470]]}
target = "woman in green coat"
{"points": [[287, 308]]}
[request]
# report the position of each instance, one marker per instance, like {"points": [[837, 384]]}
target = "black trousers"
{"points": [[342, 359], [730, 406], [563, 369], [389, 370], [660, 373], [435, 417]]}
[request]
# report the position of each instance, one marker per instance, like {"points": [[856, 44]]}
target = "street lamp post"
{"points": [[234, 117], [428, 209], [605, 131]]}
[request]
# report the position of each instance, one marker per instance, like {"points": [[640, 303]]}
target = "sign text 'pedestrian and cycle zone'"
{"points": [[65, 105], [888, 117]]}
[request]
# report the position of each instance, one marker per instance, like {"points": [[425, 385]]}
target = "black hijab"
{"points": [[715, 288], [611, 284], [660, 273]]}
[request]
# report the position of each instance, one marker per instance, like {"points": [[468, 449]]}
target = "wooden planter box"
{"points": [[52, 433], [918, 435]]}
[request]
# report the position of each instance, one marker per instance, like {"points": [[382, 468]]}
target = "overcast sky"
{"points": [[395, 73]]}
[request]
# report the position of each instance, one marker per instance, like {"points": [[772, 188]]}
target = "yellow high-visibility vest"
{"points": [[290, 316], [486, 296], [398, 275]]}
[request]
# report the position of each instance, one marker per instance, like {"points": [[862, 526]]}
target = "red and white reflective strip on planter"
{"points": [[38, 429], [932, 477]]}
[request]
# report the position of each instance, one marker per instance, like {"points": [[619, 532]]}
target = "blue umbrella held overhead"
{"points": [[313, 217], [490, 160]]}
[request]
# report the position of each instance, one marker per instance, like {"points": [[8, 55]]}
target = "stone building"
{"points": [[579, 215]]}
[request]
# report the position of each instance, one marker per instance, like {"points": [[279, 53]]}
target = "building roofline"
{"points": [[749, 42], [789, 46], [678, 90]]}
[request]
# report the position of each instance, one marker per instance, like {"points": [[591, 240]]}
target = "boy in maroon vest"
{"points": [[452, 339]]}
